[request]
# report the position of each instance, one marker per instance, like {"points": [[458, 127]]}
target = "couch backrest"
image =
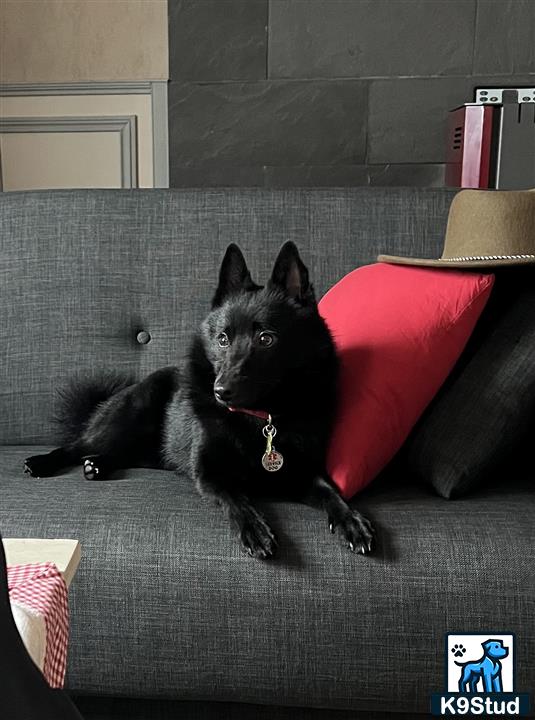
{"points": [[84, 271]]}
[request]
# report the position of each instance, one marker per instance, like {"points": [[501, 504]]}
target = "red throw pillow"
{"points": [[398, 331]]}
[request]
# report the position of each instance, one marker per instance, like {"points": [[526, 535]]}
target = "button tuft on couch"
{"points": [[143, 337]]}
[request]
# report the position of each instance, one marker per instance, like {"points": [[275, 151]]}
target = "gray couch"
{"points": [[165, 605]]}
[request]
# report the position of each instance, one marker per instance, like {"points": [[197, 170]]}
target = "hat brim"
{"points": [[447, 264]]}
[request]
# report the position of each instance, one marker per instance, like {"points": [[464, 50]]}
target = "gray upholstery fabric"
{"points": [[81, 272], [165, 604]]}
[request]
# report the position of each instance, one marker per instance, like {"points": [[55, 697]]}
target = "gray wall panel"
{"points": [[268, 123], [505, 37], [370, 38], [332, 92], [217, 39]]}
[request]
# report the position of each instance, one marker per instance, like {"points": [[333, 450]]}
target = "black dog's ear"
{"points": [[290, 274], [234, 276]]}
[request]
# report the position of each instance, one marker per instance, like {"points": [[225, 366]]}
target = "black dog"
{"points": [[260, 350]]}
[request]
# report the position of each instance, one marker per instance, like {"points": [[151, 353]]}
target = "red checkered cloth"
{"points": [[41, 588]]}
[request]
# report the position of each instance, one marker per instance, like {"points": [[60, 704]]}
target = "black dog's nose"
{"points": [[222, 393]]}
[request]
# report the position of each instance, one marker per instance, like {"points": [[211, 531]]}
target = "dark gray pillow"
{"points": [[482, 417]]}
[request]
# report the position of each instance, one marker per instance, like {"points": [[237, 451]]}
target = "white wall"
{"points": [[83, 40], [52, 52]]}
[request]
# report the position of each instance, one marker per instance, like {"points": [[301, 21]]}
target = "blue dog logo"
{"points": [[488, 668], [480, 687]]}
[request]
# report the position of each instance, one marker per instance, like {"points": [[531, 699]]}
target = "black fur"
{"points": [[264, 348], [80, 397]]}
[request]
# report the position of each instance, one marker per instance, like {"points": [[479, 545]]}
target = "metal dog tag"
{"points": [[272, 461]]}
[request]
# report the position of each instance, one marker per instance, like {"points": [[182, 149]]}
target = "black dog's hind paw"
{"points": [[356, 530], [91, 469], [257, 537], [38, 466], [458, 650]]}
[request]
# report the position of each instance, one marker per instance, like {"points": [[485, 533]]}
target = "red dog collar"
{"points": [[256, 413]]}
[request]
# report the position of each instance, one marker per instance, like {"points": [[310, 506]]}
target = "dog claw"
{"points": [[28, 471], [331, 527], [259, 554], [356, 530], [257, 537]]}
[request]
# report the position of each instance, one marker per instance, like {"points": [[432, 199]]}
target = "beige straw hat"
{"points": [[486, 228]]}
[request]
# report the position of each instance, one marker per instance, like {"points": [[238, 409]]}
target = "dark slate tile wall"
{"points": [[332, 92], [370, 38]]}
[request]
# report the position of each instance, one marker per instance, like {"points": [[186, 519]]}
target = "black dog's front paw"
{"points": [[38, 466], [90, 468], [257, 537], [356, 530]]}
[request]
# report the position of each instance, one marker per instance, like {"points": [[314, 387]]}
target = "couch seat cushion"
{"points": [[166, 604]]}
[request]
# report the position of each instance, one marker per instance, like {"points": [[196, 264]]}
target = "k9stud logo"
{"points": [[480, 677], [480, 663]]}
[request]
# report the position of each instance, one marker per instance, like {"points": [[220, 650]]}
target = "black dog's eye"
{"points": [[222, 340], [266, 339]]}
